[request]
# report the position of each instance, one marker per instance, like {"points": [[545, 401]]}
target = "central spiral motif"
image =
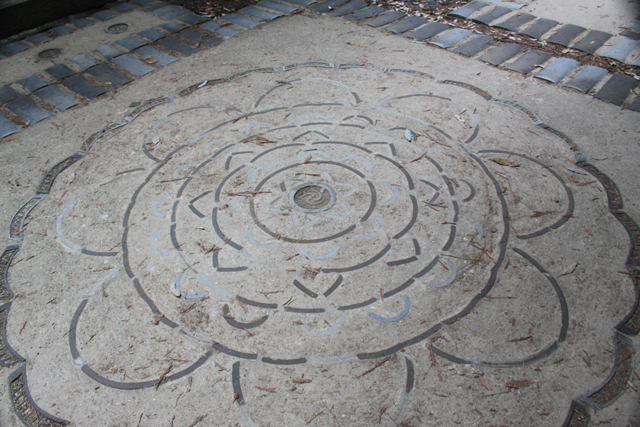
{"points": [[314, 197]]}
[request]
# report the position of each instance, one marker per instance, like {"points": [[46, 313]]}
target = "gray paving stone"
{"points": [[173, 26], [161, 57], [476, 45], [510, 4], [38, 39], [565, 34], [630, 34], [593, 41], [59, 71], [277, 6], [176, 45], [166, 10], [27, 109], [84, 61], [516, 21], [328, 5], [191, 19], [634, 106], [227, 31], [123, 7], [499, 54], [130, 43], [559, 68], [62, 30], [7, 127], [32, 83], [151, 34], [303, 3], [240, 20], [155, 6], [636, 62], [385, 18], [259, 13], [469, 9], [211, 26], [56, 97], [15, 47], [586, 79], [109, 75], [406, 24], [82, 22], [451, 38], [617, 89], [621, 49], [495, 13], [104, 15], [2, 55], [528, 61], [193, 35], [175, 14], [7, 94], [428, 31], [108, 52], [142, 3], [348, 8], [539, 28], [210, 41], [367, 13], [133, 65]]}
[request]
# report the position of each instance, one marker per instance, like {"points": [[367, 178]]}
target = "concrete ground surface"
{"points": [[363, 230]]}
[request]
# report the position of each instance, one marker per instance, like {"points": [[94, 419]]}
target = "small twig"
{"points": [[528, 337], [140, 419], [222, 368], [197, 420], [164, 375], [270, 390], [314, 417], [382, 362], [21, 329], [313, 270], [334, 415]]}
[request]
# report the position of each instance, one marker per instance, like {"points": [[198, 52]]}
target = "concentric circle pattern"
{"points": [[280, 223]]}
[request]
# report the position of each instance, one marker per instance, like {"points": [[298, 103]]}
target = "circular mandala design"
{"points": [[118, 28]]}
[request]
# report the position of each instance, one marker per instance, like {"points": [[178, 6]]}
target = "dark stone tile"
{"points": [[173, 26], [151, 34], [210, 41], [82, 22], [104, 15], [155, 6], [124, 7], [62, 30], [617, 89], [193, 35], [259, 13], [56, 97], [176, 45], [59, 71], [109, 75], [130, 43], [593, 41], [277, 6], [175, 14], [133, 65], [2, 55], [32, 83], [166, 10], [15, 47], [108, 52], [211, 26], [539, 28], [630, 34], [528, 61], [191, 19], [476, 45], [586, 79], [495, 13], [385, 18], [367, 13], [634, 106], [38, 39], [499, 54], [406, 24], [348, 8], [240, 20], [469, 9], [428, 31], [516, 21], [559, 68], [565, 34], [328, 5], [303, 3], [451, 38], [7, 127], [84, 61], [621, 49], [227, 31], [160, 57], [7, 94], [27, 110], [142, 3]]}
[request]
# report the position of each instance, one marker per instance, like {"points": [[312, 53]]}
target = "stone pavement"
{"points": [[315, 222]]}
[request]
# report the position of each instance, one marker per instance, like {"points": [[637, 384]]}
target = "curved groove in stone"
{"points": [[471, 189], [8, 356], [273, 149], [216, 227], [577, 416], [395, 195], [271, 361], [450, 279], [235, 381], [361, 265], [372, 204], [226, 350], [224, 181], [25, 407], [328, 255], [428, 268], [510, 364], [304, 289], [349, 144], [334, 286], [403, 313], [147, 105], [88, 143], [16, 225], [410, 374], [154, 206], [402, 169], [5, 261], [257, 244], [412, 221], [303, 310], [358, 305], [256, 303], [249, 325], [478, 227]]}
